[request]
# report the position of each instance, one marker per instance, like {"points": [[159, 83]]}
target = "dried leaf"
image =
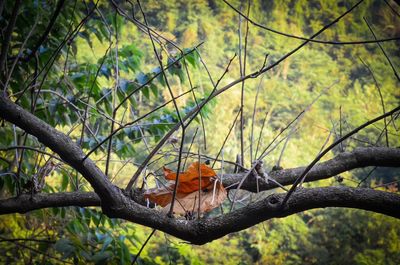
{"points": [[161, 196], [212, 192], [192, 173], [193, 185], [208, 201]]}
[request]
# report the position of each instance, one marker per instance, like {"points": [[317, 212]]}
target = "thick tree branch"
{"points": [[205, 230], [301, 200], [61, 144], [27, 202], [116, 204], [360, 157]]}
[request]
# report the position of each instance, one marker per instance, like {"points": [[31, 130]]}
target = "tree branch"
{"points": [[206, 230], [27, 202], [7, 35], [116, 204], [61, 144], [358, 158], [49, 27], [301, 200]]}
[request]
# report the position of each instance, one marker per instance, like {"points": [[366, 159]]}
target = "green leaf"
{"points": [[101, 257], [154, 89], [65, 182], [142, 78], [65, 247], [146, 92], [107, 242]]}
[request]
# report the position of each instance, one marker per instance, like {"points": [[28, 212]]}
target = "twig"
{"points": [[381, 97], [298, 121], [144, 244], [90, 93], [330, 147], [32, 149], [155, 76], [114, 95], [280, 132], [68, 38], [393, 10], [176, 109], [131, 123], [191, 115], [190, 147], [8, 34], [242, 67], [49, 27], [383, 51], [226, 137], [308, 39], [366, 177], [261, 131], [253, 118]]}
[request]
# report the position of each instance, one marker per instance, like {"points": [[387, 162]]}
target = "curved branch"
{"points": [[301, 200], [304, 38], [205, 230], [61, 144], [8, 33], [27, 202], [116, 204], [359, 157]]}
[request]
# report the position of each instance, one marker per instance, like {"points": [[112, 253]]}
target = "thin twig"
{"points": [[32, 149], [46, 33], [383, 51], [144, 244], [367, 176], [8, 34], [90, 93], [191, 115], [393, 10], [261, 132], [381, 97], [190, 147], [298, 121], [308, 39], [253, 118], [226, 137], [330, 147], [131, 123]]}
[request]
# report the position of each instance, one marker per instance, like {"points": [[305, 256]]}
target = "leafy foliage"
{"points": [[94, 61]]}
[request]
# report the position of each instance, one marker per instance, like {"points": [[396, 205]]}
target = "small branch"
{"points": [[190, 116], [32, 149], [310, 166], [346, 161], [381, 97], [45, 34], [8, 34], [226, 138], [308, 39], [253, 117], [144, 244], [27, 202], [383, 51], [61, 144]]}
